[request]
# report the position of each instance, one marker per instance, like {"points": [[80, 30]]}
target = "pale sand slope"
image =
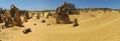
{"points": [[104, 27]]}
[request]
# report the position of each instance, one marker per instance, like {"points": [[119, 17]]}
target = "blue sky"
{"points": [[53, 4]]}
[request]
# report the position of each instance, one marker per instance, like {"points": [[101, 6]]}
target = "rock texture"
{"points": [[62, 16]]}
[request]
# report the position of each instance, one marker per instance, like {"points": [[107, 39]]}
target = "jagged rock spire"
{"points": [[13, 6], [65, 3]]}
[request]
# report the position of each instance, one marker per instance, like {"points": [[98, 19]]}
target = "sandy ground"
{"points": [[100, 27]]}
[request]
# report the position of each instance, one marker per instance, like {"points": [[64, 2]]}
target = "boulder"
{"points": [[43, 21], [26, 31]]}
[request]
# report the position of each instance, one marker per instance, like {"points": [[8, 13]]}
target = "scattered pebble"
{"points": [[35, 24]]}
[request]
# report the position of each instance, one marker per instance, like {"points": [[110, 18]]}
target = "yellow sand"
{"points": [[102, 27]]}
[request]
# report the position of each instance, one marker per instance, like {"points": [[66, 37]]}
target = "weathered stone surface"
{"points": [[9, 21], [1, 15], [26, 17], [43, 21], [75, 23], [3, 27], [1, 18], [14, 18], [26, 31], [62, 16], [12, 10], [62, 19], [38, 16], [17, 18]]}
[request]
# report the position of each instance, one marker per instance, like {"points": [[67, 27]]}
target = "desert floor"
{"points": [[93, 26]]}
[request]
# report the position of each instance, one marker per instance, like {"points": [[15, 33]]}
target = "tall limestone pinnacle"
{"points": [[65, 3], [62, 16], [14, 18]]}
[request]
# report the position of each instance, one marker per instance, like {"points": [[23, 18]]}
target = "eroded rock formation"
{"points": [[62, 16]]}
